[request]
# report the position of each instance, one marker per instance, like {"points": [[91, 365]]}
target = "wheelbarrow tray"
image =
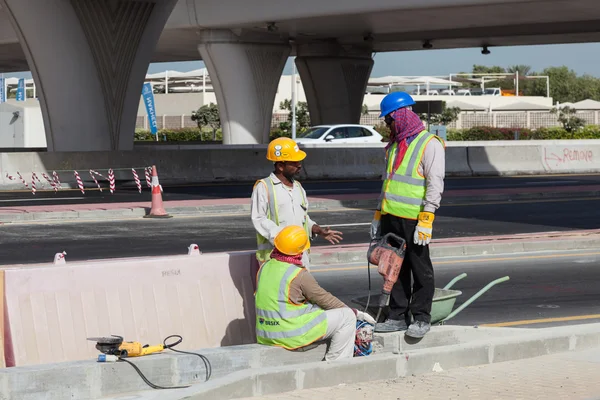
{"points": [[443, 301], [441, 307]]}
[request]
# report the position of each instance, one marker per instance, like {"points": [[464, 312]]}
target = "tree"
{"points": [[568, 118], [302, 116], [482, 69], [565, 85], [208, 116], [525, 86], [524, 70], [447, 116], [365, 110]]}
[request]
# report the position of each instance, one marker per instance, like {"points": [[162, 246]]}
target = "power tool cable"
{"points": [[207, 365], [369, 273]]}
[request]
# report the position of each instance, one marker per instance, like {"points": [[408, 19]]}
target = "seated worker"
{"points": [[293, 311]]}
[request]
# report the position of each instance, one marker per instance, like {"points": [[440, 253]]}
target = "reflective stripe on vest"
{"points": [[263, 246], [278, 321], [404, 189]]}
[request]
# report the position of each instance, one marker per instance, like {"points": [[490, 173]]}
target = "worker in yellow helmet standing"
{"points": [[411, 194], [293, 311], [279, 200]]}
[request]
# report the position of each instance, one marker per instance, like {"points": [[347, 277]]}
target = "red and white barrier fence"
{"points": [[55, 184]]}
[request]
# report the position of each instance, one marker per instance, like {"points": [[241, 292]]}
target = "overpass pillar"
{"points": [[334, 80], [245, 73], [89, 59]]}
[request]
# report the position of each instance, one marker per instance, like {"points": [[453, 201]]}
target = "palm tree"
{"points": [[524, 70]]}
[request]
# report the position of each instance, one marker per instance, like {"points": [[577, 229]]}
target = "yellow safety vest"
{"points": [[280, 322], [264, 247], [404, 190]]}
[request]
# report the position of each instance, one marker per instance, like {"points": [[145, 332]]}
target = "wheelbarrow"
{"points": [[443, 300]]}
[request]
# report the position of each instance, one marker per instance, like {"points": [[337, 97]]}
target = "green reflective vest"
{"points": [[278, 321], [264, 247], [404, 189]]}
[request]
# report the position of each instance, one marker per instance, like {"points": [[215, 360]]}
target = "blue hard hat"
{"points": [[394, 101]]}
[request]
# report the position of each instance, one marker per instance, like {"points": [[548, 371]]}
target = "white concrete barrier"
{"points": [[457, 162], [504, 160], [214, 163], [51, 309], [532, 156]]}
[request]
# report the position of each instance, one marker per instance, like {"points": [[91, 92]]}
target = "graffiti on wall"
{"points": [[557, 157]]}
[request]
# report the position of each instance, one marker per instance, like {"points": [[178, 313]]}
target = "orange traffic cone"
{"points": [[157, 209]]}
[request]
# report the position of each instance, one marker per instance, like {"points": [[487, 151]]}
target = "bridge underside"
{"points": [[495, 24], [246, 58]]}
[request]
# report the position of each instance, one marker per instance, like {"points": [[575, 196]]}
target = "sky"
{"points": [[582, 58]]}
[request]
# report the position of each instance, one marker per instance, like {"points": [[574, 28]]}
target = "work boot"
{"points": [[418, 329], [391, 325]]}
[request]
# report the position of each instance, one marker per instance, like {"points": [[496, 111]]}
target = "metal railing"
{"points": [[524, 119]]}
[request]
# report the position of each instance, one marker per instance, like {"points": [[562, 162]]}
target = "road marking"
{"points": [[42, 199], [542, 321], [473, 260], [484, 203]]}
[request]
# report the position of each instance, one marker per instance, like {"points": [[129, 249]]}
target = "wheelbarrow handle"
{"points": [[453, 281], [475, 297]]}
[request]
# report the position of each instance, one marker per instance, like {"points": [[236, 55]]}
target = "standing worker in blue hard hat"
{"points": [[411, 194]]}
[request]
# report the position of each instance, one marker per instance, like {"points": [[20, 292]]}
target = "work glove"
{"points": [[363, 316], [424, 227], [375, 231]]}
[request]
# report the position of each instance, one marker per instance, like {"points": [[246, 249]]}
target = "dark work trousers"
{"points": [[416, 263]]}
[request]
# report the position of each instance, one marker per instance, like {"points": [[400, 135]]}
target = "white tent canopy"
{"points": [[175, 75], [587, 105], [430, 80], [567, 104], [463, 105], [522, 106], [15, 81], [388, 80]]}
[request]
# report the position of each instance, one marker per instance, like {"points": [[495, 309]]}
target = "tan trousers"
{"points": [[341, 330]]}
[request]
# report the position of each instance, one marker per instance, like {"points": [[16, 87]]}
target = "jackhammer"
{"points": [[388, 254]]}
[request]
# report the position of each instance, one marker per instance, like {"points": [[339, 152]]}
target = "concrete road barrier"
{"points": [[239, 163], [52, 309]]}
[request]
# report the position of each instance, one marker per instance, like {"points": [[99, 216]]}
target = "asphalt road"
{"points": [[38, 242], [542, 286], [243, 190]]}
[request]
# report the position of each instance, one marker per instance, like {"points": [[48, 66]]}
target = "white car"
{"points": [[345, 133]]}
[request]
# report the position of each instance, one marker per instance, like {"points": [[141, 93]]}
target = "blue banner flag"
{"points": [[2, 91], [148, 95], [21, 90]]}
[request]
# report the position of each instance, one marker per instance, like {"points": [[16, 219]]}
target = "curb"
{"points": [[367, 202], [472, 246], [398, 364], [253, 370]]}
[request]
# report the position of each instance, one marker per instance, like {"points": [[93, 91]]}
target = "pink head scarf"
{"points": [[407, 125], [279, 256]]}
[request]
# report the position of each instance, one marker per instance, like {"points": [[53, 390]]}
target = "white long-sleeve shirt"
{"points": [[290, 210], [433, 168]]}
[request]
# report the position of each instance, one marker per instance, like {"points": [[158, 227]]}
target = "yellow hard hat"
{"points": [[292, 240], [284, 149]]}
